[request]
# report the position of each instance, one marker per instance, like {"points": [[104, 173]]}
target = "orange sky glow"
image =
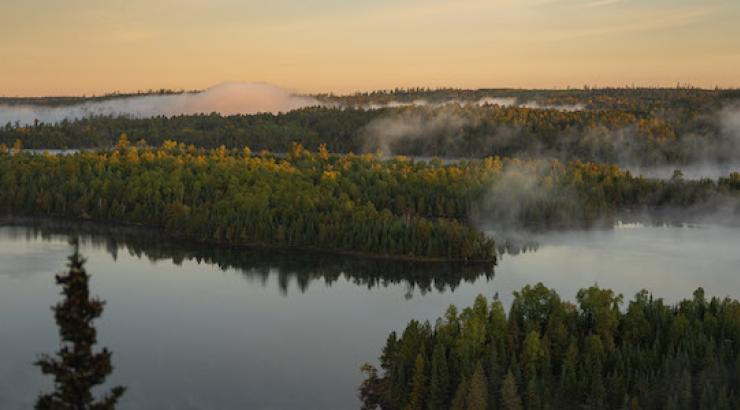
{"points": [[90, 47]]}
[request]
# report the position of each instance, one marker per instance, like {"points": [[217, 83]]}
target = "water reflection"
{"points": [[258, 265], [192, 337]]}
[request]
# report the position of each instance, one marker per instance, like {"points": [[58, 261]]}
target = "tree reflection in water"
{"points": [[258, 264]]}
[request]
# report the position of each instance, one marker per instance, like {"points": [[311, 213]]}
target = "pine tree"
{"points": [[458, 401], [440, 380], [685, 387], [568, 391], [494, 376], [76, 369], [418, 386], [510, 399], [477, 398], [532, 395], [389, 352], [597, 395]]}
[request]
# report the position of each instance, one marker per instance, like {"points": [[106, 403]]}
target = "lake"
{"points": [[195, 327]]}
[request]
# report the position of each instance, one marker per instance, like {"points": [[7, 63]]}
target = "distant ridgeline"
{"points": [[626, 126], [61, 101], [624, 99], [548, 353], [399, 208]]}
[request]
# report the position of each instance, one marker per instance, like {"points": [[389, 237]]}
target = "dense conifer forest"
{"points": [[308, 200], [549, 353], [395, 207]]}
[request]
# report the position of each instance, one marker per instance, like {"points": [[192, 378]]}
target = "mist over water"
{"points": [[225, 99], [500, 101], [691, 171], [203, 333], [426, 128]]}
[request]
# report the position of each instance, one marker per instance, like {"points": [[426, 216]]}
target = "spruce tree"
{"points": [[458, 401], [418, 386], [477, 398], [510, 399], [439, 386], [495, 376], [75, 368], [597, 396]]}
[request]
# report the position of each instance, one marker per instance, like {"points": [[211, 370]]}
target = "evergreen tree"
{"points": [[477, 398], [494, 376], [597, 395], [533, 398], [510, 399], [389, 352], [458, 401], [76, 369], [440, 380], [418, 386], [568, 391]]}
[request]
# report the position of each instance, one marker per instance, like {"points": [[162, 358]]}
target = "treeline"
{"points": [[61, 101], [307, 200], [354, 203], [626, 127], [631, 99], [310, 127], [551, 354], [550, 194]]}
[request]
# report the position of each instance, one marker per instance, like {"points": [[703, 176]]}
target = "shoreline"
{"points": [[25, 220]]}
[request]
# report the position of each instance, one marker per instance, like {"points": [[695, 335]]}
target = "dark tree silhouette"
{"points": [[75, 368]]}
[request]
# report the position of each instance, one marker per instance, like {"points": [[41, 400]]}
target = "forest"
{"points": [[550, 353], [624, 126], [305, 200], [363, 204]]}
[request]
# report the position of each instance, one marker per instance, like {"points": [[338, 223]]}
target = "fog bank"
{"points": [[691, 171], [500, 101], [225, 99], [383, 133]]}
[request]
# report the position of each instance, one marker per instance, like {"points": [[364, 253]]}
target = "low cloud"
{"points": [[411, 126], [730, 123], [534, 105], [500, 101], [226, 99]]}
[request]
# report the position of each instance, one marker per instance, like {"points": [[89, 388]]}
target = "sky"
{"points": [[76, 47]]}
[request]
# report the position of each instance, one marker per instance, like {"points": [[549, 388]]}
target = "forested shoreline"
{"points": [[232, 196], [550, 353], [362, 204]]}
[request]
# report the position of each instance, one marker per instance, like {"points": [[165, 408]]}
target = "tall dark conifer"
{"points": [[439, 388], [75, 367]]}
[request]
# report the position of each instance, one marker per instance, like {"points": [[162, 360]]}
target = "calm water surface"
{"points": [[215, 329]]}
